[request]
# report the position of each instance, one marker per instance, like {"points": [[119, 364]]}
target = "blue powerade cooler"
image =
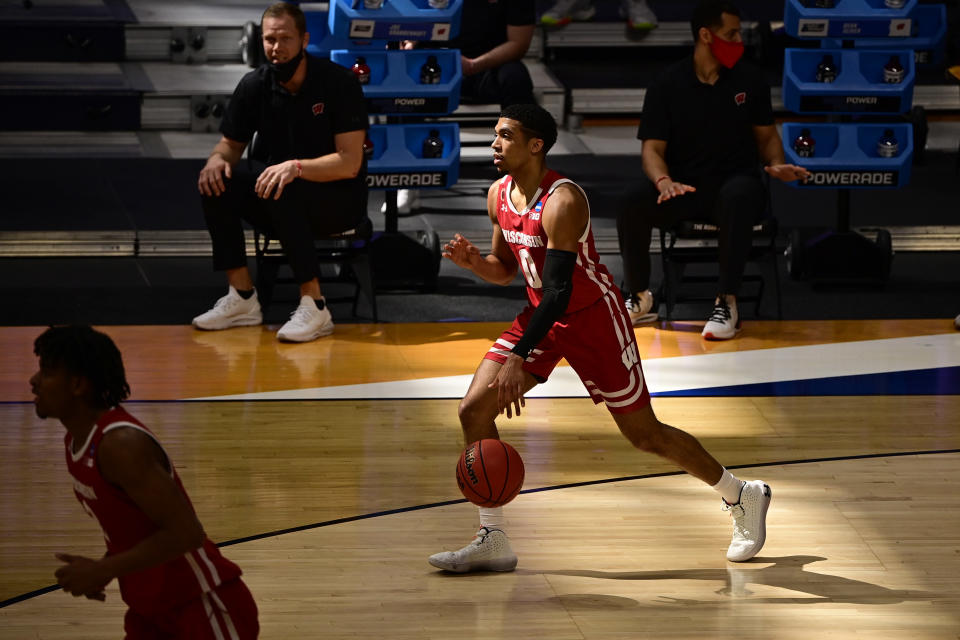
{"points": [[846, 155], [395, 86], [398, 161], [847, 19], [858, 88], [395, 20]]}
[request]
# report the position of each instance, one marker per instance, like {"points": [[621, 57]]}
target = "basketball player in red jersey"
{"points": [[172, 577], [541, 223]]}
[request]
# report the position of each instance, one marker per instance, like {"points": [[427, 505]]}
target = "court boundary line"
{"points": [[570, 485]]}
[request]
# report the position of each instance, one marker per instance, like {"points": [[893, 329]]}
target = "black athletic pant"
{"points": [[306, 210], [734, 204], [507, 84]]}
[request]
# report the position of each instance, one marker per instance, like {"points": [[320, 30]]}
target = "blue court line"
{"points": [[941, 381], [585, 483]]}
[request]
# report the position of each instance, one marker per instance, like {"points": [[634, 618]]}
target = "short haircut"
{"points": [[536, 120], [281, 9], [88, 353], [709, 14]]}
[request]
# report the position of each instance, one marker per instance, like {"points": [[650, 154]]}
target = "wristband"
{"points": [[299, 168], [657, 183]]}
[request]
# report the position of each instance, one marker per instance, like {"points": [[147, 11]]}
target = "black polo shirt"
{"points": [[301, 125], [483, 24], [708, 128]]}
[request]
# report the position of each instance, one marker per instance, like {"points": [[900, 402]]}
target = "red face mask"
{"points": [[726, 52]]}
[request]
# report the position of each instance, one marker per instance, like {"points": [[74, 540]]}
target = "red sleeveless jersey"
{"points": [[162, 587], [523, 231]]}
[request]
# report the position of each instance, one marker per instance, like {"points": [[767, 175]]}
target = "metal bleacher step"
{"points": [[196, 243]]}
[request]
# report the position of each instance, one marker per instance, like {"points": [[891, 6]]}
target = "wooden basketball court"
{"points": [[327, 470]]}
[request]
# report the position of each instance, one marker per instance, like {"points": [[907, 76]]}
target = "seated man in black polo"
{"points": [[306, 177], [707, 121]]}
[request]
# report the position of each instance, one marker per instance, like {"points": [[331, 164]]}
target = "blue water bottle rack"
{"points": [[395, 91], [848, 154]]}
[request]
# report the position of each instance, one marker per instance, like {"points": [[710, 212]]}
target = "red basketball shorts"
{"points": [[598, 342], [228, 613]]}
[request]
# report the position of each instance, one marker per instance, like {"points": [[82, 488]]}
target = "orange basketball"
{"points": [[490, 473]]}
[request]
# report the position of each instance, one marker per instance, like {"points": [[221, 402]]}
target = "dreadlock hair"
{"points": [[281, 9], [88, 353], [536, 121], [709, 14]]}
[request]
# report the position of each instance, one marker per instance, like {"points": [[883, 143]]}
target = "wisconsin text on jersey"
{"points": [[516, 237]]}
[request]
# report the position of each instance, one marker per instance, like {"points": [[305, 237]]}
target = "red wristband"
{"points": [[657, 183], [299, 168]]}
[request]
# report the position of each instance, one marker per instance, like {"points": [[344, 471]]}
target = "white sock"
{"points": [[491, 518], [729, 487]]}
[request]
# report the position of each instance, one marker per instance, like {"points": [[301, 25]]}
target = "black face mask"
{"points": [[285, 70]]}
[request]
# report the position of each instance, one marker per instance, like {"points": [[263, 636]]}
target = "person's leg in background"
{"points": [[637, 215], [637, 13], [305, 211], [740, 204], [224, 216]]}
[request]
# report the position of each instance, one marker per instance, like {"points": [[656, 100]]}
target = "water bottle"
{"points": [[827, 69], [893, 71], [430, 71], [804, 144], [361, 70], [433, 145], [887, 146]]}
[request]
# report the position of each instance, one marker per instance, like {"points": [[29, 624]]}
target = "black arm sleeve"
{"points": [[557, 287]]}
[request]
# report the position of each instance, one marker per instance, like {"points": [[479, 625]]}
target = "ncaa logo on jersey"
{"points": [[535, 214]]}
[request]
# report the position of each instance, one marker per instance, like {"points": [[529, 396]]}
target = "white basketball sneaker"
{"points": [[306, 323], [640, 308], [564, 11], [724, 322], [749, 520], [489, 551], [231, 311], [639, 15]]}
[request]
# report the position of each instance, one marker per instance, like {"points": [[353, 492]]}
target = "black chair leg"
{"points": [[363, 270], [266, 277]]}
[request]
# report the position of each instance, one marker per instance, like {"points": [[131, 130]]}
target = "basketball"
{"points": [[490, 473]]}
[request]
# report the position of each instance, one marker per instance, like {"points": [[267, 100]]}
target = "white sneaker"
{"points": [[723, 323], [408, 202], [563, 11], [489, 551], [231, 311], [640, 308], [639, 15], [749, 520], [306, 323]]}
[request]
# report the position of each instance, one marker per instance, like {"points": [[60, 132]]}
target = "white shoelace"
{"points": [[301, 315]]}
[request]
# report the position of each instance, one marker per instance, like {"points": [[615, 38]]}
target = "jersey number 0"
{"points": [[530, 269]]}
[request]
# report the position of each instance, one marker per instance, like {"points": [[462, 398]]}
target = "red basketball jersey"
{"points": [[159, 588], [523, 231]]}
